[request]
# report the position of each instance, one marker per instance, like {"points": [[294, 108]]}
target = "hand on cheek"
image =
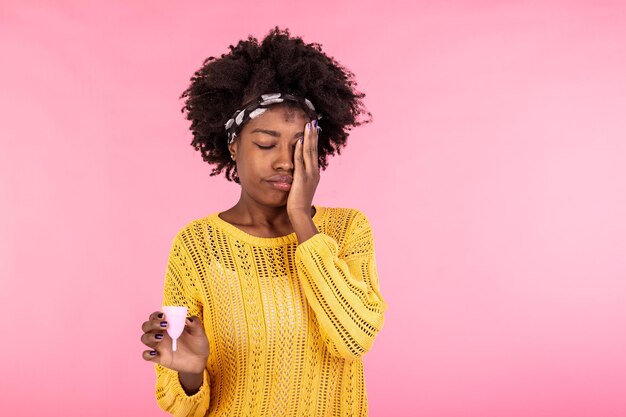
{"points": [[306, 174]]}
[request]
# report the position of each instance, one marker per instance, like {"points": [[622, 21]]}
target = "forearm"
{"points": [[341, 286], [343, 294]]}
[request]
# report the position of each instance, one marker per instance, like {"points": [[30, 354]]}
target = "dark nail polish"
{"points": [[152, 352], [158, 336], [160, 315], [314, 123], [163, 323], [190, 319]]}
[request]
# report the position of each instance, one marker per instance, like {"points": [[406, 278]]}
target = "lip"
{"points": [[288, 179], [281, 182], [283, 186]]}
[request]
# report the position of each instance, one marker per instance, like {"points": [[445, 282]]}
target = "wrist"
{"points": [[191, 381], [300, 213], [304, 228]]}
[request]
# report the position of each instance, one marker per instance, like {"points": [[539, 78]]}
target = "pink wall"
{"points": [[494, 175]]}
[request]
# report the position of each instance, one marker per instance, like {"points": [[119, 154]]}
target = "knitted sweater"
{"points": [[287, 323]]}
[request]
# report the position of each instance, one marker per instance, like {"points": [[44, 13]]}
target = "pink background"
{"points": [[494, 176]]}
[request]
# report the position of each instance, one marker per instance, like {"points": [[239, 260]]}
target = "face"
{"points": [[265, 148]]}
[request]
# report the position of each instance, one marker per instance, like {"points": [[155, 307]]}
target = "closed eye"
{"points": [[270, 146]]}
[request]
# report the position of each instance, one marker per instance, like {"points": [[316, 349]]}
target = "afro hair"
{"points": [[279, 63]]}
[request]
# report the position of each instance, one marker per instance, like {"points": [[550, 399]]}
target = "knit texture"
{"points": [[287, 323]]}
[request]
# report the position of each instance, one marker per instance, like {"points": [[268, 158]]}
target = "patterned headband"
{"points": [[259, 106]]}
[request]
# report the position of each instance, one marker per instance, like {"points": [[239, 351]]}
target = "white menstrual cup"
{"points": [[175, 317]]}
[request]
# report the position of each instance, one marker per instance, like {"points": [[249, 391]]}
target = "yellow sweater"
{"points": [[287, 323]]}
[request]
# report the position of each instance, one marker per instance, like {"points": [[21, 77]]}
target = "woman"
{"points": [[283, 295]]}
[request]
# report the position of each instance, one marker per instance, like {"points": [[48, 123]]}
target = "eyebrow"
{"points": [[273, 132]]}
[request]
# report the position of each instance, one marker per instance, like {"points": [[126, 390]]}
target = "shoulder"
{"points": [[344, 222], [195, 229], [346, 215]]}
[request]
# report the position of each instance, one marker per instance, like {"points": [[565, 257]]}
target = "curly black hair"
{"points": [[280, 63]]}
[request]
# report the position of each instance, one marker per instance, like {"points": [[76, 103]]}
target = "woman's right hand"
{"points": [[192, 347]]}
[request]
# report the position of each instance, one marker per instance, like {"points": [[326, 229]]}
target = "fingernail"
{"points": [[158, 336], [190, 319], [160, 315], [314, 123], [152, 352], [302, 139], [163, 323]]}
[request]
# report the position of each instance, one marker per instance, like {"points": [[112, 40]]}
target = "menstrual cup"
{"points": [[176, 317]]}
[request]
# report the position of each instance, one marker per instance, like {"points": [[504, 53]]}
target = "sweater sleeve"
{"points": [[342, 288], [179, 289]]}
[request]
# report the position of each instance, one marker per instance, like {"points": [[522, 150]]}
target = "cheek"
{"points": [[248, 169]]}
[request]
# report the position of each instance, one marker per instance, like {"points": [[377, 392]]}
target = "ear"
{"points": [[232, 148]]}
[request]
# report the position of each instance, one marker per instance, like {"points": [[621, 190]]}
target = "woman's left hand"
{"points": [[306, 173]]}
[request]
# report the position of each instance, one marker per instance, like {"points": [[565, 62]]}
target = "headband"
{"points": [[259, 106]]}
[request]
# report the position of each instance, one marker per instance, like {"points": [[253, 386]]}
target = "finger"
{"points": [[193, 326], [306, 151], [310, 148], [298, 161], [152, 339], [156, 315], [152, 325], [313, 145], [150, 355]]}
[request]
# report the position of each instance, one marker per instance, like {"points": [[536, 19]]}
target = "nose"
{"points": [[284, 158]]}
